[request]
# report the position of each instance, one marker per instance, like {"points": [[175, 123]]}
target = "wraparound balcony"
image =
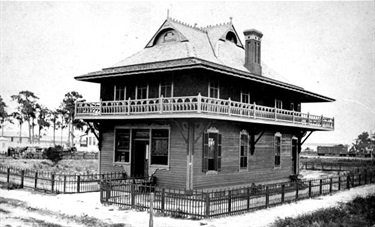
{"points": [[199, 107]]}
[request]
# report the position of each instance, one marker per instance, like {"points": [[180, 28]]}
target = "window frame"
{"points": [[115, 92], [278, 101], [217, 89], [164, 84], [246, 156], [151, 147], [217, 152], [246, 94], [141, 87], [115, 152], [277, 150]]}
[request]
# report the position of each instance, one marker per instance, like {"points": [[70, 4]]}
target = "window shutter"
{"points": [[205, 153], [218, 152]]}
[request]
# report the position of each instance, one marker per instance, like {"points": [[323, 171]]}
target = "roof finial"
{"points": [[167, 13], [230, 18]]}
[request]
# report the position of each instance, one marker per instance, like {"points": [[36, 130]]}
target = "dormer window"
{"points": [[231, 37], [167, 35]]}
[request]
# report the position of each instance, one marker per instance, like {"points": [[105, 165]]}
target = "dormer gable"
{"points": [[166, 33], [223, 32]]}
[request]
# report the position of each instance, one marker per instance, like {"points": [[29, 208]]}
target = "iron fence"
{"points": [[207, 204]]}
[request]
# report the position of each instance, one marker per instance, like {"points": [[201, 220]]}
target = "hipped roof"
{"points": [[197, 48]]}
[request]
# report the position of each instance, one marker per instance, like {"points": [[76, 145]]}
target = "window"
{"points": [[166, 89], [169, 36], [277, 149], [299, 107], [231, 37], [119, 92], [244, 149], [278, 104], [211, 150], [245, 97], [90, 141], [159, 146], [93, 141], [213, 90], [292, 106], [122, 145], [141, 92]]}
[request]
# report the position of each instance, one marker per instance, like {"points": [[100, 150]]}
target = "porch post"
{"points": [[190, 155]]}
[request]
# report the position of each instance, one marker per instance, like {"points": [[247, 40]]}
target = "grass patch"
{"points": [[359, 212]]}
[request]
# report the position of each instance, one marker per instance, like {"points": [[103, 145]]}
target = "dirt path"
{"points": [[27, 208]]}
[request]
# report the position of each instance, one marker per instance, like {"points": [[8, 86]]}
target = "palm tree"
{"points": [[19, 117], [43, 114], [27, 102], [3, 115]]}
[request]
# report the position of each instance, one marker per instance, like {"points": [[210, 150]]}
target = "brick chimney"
{"points": [[252, 51]]}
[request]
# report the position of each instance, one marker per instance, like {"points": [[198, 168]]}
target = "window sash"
{"points": [[159, 146], [119, 93], [141, 92], [166, 89], [122, 145], [278, 104], [245, 97], [213, 90], [211, 152], [277, 150], [244, 150]]}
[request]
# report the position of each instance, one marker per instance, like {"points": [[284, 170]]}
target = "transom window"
{"points": [[213, 90], [211, 150], [122, 146], [141, 92], [244, 149], [277, 148], [166, 89], [245, 97], [119, 92]]}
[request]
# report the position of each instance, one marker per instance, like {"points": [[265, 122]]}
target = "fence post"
{"points": [[52, 183], [78, 183], [310, 189], [365, 176], [207, 205], [267, 196], [248, 198], [162, 199], [64, 184], [229, 201], [359, 179], [339, 186], [348, 182], [133, 195], [151, 222], [35, 180], [330, 185], [8, 175], [320, 186], [296, 190], [22, 177], [282, 193]]}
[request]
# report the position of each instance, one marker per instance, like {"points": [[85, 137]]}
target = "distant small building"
{"points": [[86, 142]]}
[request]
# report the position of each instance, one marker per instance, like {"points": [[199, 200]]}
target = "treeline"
{"points": [[38, 117]]}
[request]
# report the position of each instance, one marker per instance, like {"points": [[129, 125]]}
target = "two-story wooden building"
{"points": [[197, 106]]}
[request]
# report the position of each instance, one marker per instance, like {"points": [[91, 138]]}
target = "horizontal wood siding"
{"points": [[261, 166], [107, 151], [173, 176]]}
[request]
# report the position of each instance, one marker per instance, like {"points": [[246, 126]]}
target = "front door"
{"points": [[294, 156], [140, 162]]}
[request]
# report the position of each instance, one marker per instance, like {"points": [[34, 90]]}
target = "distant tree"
{"points": [[27, 102], [68, 107], [20, 118], [362, 142], [54, 119], [43, 115], [4, 116]]}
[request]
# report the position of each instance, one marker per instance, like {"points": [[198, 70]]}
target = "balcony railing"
{"points": [[200, 105]]}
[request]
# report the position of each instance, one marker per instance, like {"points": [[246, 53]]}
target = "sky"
{"points": [[325, 47]]}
